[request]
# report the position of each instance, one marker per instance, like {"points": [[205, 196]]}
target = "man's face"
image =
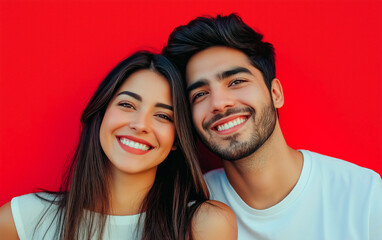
{"points": [[232, 109]]}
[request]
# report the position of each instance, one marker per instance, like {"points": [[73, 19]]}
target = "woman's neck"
{"points": [[127, 191]]}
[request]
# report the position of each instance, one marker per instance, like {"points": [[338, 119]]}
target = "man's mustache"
{"points": [[206, 125]]}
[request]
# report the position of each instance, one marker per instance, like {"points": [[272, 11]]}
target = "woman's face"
{"points": [[137, 131]]}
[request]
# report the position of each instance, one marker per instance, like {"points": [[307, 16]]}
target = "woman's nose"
{"points": [[141, 122]]}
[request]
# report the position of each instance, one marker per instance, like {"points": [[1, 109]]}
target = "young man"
{"points": [[275, 191]]}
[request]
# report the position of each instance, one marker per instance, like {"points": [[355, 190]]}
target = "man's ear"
{"points": [[277, 93]]}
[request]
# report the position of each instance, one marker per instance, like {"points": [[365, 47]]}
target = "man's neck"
{"points": [[266, 177]]}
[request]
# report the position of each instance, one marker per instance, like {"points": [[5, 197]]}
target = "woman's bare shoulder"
{"points": [[214, 220], [7, 225]]}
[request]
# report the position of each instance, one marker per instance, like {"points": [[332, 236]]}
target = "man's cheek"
{"points": [[197, 118]]}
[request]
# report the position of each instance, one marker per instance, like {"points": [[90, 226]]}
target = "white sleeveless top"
{"points": [[27, 210]]}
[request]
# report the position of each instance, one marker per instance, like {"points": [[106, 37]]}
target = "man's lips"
{"points": [[134, 145], [229, 124]]}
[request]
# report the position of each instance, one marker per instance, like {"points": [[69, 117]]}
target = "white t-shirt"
{"points": [[28, 209], [333, 199]]}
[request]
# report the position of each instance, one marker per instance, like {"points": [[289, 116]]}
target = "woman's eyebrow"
{"points": [[134, 95], [139, 98], [162, 105]]}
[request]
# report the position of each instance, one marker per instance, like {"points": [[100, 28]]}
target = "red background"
{"points": [[53, 54]]}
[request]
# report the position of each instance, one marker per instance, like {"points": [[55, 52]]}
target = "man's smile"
{"points": [[230, 124]]}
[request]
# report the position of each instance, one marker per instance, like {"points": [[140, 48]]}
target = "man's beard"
{"points": [[237, 149]]}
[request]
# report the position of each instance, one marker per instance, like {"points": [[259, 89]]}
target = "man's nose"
{"points": [[221, 100]]}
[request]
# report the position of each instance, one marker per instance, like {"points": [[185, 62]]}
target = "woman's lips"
{"points": [[134, 145]]}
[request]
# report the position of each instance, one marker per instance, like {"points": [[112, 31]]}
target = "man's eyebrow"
{"points": [[197, 84], [134, 95], [231, 72], [220, 76], [162, 105]]}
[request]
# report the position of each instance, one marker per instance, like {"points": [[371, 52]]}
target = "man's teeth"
{"points": [[231, 124], [133, 144]]}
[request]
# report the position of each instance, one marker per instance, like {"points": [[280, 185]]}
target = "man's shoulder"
{"points": [[214, 175], [217, 183], [331, 166]]}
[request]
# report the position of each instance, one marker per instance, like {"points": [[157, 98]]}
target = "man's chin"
{"points": [[235, 155], [231, 151]]}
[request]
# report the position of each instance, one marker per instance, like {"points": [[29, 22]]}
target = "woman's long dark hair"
{"points": [[178, 188]]}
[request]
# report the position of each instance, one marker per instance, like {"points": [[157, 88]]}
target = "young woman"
{"points": [[134, 174]]}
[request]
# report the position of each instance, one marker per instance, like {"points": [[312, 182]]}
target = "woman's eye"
{"points": [[198, 95], [164, 116], [125, 105]]}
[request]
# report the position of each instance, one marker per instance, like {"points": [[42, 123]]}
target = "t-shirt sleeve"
{"points": [[17, 217], [214, 183], [376, 210], [27, 211]]}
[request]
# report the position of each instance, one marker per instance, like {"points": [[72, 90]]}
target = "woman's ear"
{"points": [[176, 143], [277, 93]]}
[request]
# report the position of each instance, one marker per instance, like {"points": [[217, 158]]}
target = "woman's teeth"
{"points": [[133, 144]]}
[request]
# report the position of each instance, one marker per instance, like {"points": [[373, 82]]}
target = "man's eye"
{"points": [[236, 82], [198, 95]]}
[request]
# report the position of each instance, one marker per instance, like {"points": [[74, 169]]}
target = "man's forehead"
{"points": [[211, 62]]}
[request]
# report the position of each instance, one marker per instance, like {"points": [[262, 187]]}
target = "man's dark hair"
{"points": [[230, 31]]}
